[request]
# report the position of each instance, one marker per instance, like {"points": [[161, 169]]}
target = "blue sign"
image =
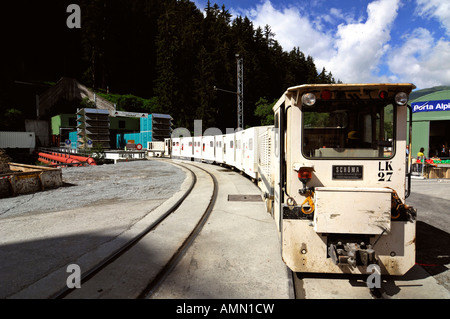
{"points": [[431, 106]]}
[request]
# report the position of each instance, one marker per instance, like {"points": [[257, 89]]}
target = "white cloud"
{"points": [[359, 47], [356, 48], [439, 9], [334, 17], [291, 28], [351, 51], [421, 60]]}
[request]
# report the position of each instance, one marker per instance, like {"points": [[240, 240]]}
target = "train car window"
{"points": [[211, 143], [349, 129], [231, 144], [250, 144]]}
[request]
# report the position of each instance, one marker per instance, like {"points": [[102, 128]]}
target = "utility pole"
{"points": [[240, 92]]}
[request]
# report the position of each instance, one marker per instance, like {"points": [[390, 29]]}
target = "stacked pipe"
{"points": [[88, 160], [58, 159], [82, 159], [43, 160], [65, 158]]}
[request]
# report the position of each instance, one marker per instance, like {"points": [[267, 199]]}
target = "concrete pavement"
{"points": [[237, 254]]}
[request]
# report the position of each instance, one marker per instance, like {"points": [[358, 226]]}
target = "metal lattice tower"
{"points": [[240, 92]]}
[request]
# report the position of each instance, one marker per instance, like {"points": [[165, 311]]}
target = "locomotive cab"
{"points": [[341, 177]]}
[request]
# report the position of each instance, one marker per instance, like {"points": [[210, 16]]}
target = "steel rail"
{"points": [[167, 269], [130, 244]]}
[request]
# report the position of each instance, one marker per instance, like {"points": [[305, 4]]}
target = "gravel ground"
{"points": [[44, 232], [103, 184]]}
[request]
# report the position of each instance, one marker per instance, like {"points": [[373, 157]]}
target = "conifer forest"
{"points": [[168, 52]]}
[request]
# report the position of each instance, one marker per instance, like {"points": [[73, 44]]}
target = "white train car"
{"points": [[266, 164], [249, 150], [156, 148], [187, 147], [208, 149]]}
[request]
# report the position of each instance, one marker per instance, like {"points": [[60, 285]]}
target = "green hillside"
{"points": [[416, 94]]}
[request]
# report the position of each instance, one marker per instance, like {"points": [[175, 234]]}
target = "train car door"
{"points": [[239, 149], [229, 149], [167, 147], [198, 149], [219, 149], [208, 148], [176, 147]]}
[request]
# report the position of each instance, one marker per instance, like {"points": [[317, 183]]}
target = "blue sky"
{"points": [[361, 41]]}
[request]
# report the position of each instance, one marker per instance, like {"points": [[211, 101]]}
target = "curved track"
{"points": [[117, 277], [186, 244]]}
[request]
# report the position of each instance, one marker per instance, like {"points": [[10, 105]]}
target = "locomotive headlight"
{"points": [[401, 98], [309, 99]]}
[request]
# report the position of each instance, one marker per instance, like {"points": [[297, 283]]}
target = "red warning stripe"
{"points": [[427, 265]]}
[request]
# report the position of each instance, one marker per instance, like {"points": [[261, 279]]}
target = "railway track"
{"points": [[142, 264]]}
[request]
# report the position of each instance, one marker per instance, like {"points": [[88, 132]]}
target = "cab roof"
{"points": [[338, 87]]}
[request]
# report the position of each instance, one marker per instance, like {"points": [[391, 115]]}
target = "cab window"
{"points": [[348, 129]]}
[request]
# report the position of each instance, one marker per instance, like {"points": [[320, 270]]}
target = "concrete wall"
{"points": [[41, 131]]}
